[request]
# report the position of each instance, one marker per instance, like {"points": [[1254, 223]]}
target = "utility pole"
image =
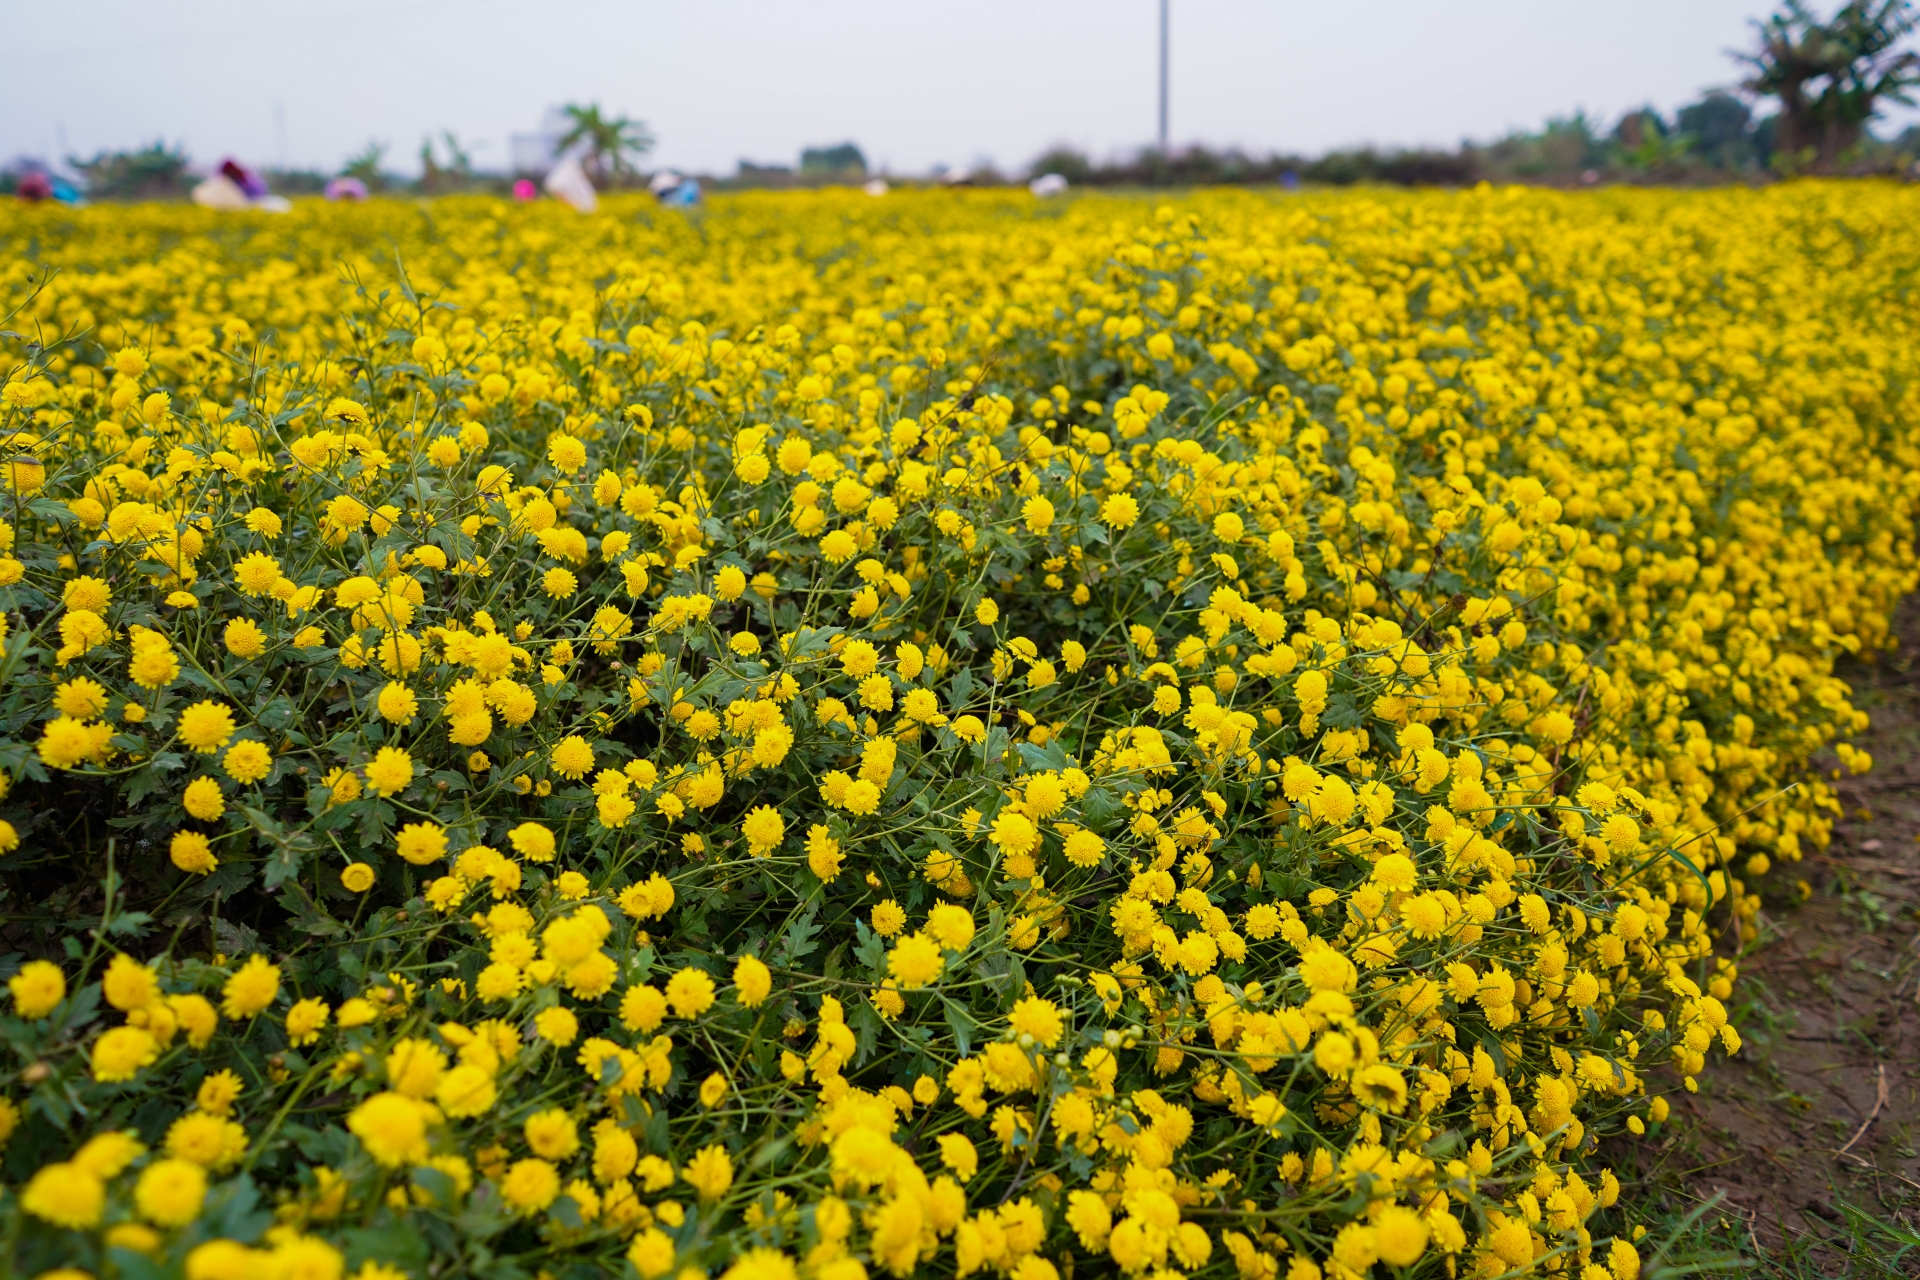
{"points": [[1163, 77]]}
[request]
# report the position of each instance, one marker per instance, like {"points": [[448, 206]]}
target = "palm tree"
{"points": [[609, 140], [1832, 77], [456, 174], [366, 165]]}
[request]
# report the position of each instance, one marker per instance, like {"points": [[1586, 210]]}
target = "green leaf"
{"points": [[261, 821], [47, 509], [864, 1021], [16, 651], [1343, 712], [131, 923], [395, 1244], [281, 866], [308, 916], [231, 1211], [961, 1023], [769, 1152], [393, 543], [277, 714], [135, 1266], [1050, 756], [1016, 980], [141, 783], [872, 948], [655, 1129], [799, 939], [450, 538], [1099, 809], [435, 1182], [235, 938]]}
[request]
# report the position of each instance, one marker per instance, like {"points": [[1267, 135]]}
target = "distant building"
{"points": [[536, 153]]}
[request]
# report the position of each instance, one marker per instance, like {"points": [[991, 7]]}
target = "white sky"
{"points": [[914, 83]]}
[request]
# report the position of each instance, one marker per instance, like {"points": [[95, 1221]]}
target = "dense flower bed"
{"points": [[943, 734]]}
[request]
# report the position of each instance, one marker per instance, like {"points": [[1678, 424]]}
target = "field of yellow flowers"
{"points": [[943, 735]]}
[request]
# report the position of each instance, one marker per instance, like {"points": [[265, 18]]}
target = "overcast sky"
{"points": [[914, 83]]}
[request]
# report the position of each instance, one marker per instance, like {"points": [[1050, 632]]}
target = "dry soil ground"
{"points": [[1810, 1138]]}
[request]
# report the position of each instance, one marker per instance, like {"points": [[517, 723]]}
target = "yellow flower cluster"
{"points": [[840, 736]]}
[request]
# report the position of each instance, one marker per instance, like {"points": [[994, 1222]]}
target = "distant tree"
{"points": [[749, 173], [296, 182], [1719, 129], [846, 158], [1642, 140], [456, 173], [1637, 128], [1569, 145], [366, 166], [1571, 142], [1343, 168], [1430, 168], [609, 140], [156, 170], [1069, 162], [1831, 77]]}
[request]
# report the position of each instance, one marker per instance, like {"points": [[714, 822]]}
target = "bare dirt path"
{"points": [[1812, 1134]]}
